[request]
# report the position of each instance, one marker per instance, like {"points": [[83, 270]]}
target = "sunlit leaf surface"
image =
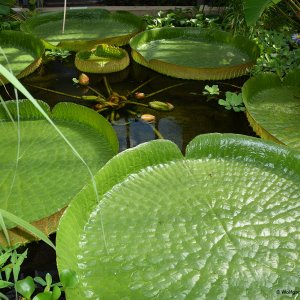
{"points": [[220, 223], [46, 175], [273, 107]]}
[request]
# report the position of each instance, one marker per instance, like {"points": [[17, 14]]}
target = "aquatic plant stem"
{"points": [[164, 89], [107, 86], [86, 98], [158, 134], [95, 91], [136, 103], [141, 85], [224, 83]]}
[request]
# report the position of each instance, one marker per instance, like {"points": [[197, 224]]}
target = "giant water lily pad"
{"points": [[43, 176], [84, 28], [194, 53], [102, 59], [273, 107], [220, 223], [21, 53]]}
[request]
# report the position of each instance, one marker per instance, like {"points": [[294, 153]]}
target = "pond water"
{"points": [[193, 115]]}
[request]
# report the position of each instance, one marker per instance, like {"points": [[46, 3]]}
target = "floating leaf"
{"points": [[220, 223], [273, 107], [194, 53], [104, 59], [84, 28], [41, 182], [20, 52]]}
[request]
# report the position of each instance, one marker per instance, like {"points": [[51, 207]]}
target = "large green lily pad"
{"points": [[273, 107], [194, 53], [221, 223], [84, 28], [47, 175], [21, 53]]}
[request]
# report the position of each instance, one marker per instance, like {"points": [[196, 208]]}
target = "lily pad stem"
{"points": [[164, 89], [107, 86], [224, 83], [158, 134], [136, 103], [95, 91], [53, 91], [141, 85]]}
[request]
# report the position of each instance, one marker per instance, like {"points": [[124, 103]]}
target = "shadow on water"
{"points": [[193, 115]]}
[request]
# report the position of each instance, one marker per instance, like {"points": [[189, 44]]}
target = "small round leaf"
{"points": [[25, 287], [68, 278]]}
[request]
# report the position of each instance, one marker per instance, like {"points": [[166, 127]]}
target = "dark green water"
{"points": [[193, 114]]}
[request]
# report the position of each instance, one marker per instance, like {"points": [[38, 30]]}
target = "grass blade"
{"points": [[27, 226]]}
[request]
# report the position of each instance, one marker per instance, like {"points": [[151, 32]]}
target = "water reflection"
{"points": [[171, 130], [134, 132]]}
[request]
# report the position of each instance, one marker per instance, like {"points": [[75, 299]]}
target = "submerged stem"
{"points": [[53, 91], [164, 89], [158, 134], [137, 103], [224, 83], [141, 85], [107, 86], [95, 91]]}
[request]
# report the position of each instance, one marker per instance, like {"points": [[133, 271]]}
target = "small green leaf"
{"points": [[68, 278], [17, 262], [40, 281], [7, 271], [236, 99], [4, 284], [75, 80], [222, 102], [4, 257], [56, 292], [211, 90], [25, 287], [43, 296], [48, 279]]}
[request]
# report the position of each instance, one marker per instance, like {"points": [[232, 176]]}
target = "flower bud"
{"points": [[162, 106], [83, 79], [148, 118], [139, 95]]}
